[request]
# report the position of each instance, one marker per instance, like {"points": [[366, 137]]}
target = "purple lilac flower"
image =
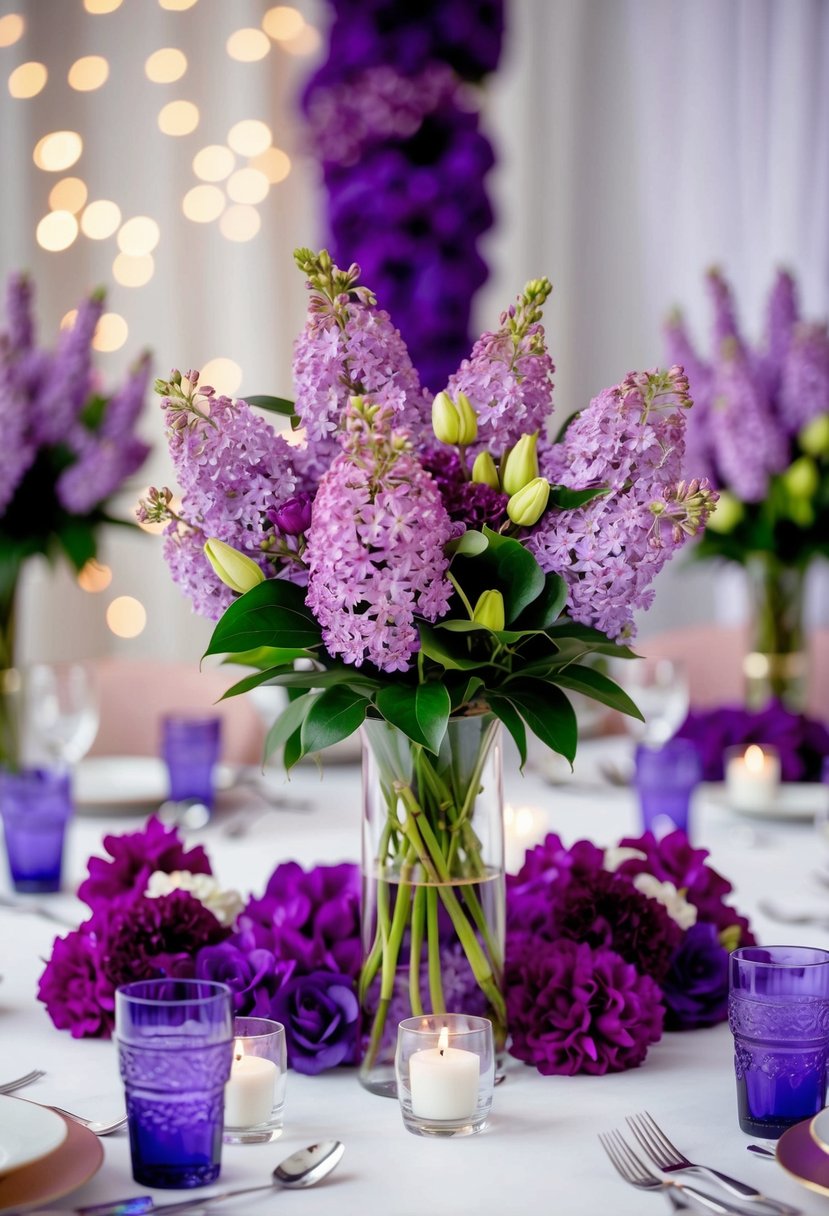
{"points": [[319, 1012], [78, 995], [68, 385], [154, 937], [573, 1009], [804, 388], [699, 454], [781, 317], [253, 976], [801, 742], [135, 856], [375, 547], [750, 443], [696, 987]]}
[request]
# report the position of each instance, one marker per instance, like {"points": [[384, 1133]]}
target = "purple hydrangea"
{"points": [[319, 1012], [134, 857]]}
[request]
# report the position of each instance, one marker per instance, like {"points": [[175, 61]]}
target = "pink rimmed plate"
{"points": [[801, 1156], [77, 1160]]}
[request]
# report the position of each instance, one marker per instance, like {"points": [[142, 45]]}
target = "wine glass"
{"points": [[659, 687], [60, 713]]}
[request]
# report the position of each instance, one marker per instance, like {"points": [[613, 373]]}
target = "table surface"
{"points": [[540, 1150]]}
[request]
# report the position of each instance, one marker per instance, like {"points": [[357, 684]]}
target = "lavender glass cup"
{"points": [[778, 1011], [36, 805], [175, 1047], [665, 779], [190, 746]]}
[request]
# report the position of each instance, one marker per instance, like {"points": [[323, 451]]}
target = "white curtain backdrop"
{"points": [[638, 142]]}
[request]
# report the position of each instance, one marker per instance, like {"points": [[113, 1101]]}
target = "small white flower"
{"points": [[225, 905], [616, 856], [672, 900]]}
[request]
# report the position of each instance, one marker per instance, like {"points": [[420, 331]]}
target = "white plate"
{"points": [[819, 1129], [27, 1133], [129, 783], [797, 801]]}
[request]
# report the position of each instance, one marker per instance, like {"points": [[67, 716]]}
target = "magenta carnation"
{"points": [[135, 856], [78, 995], [159, 936]]}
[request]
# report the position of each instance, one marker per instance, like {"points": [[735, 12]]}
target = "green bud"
{"points": [[446, 421], [468, 419], [236, 570], [521, 465], [727, 513], [528, 504], [489, 610], [801, 478], [814, 438], [730, 937], [485, 472]]}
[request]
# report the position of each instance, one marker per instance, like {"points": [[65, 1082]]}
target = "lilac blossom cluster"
{"points": [[604, 948], [404, 162], [64, 442]]}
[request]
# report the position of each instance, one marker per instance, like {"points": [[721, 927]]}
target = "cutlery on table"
{"points": [[785, 917], [92, 1125], [669, 1160], [8, 1087], [633, 1170], [302, 1169], [760, 1151], [20, 905]]}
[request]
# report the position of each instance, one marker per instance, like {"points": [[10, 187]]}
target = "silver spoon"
{"points": [[759, 1150], [302, 1169]]}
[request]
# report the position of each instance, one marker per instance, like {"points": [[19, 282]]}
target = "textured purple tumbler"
{"points": [[175, 1048], [36, 805], [190, 746], [778, 1011], [666, 777]]}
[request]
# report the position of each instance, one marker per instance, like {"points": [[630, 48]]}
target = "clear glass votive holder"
{"points": [[255, 1092], [35, 805], [752, 776], [190, 747], [445, 1068], [778, 1011], [175, 1048], [665, 779]]}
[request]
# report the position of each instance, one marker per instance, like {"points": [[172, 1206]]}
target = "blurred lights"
{"points": [[248, 45], [248, 186], [57, 231], [203, 204], [240, 223], [166, 65], [69, 194], [223, 374], [100, 219], [28, 79], [138, 236], [126, 617], [213, 163], [282, 22], [178, 118], [110, 332], [68, 319], [306, 42], [274, 163], [88, 73], [94, 577], [176, 6], [11, 29], [99, 7], [133, 272], [58, 150], [249, 137]]}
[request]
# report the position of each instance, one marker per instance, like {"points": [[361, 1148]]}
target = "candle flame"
{"points": [[238, 1049], [755, 759], [443, 1040]]}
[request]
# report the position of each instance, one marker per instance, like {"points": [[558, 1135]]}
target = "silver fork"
{"points": [[773, 912], [669, 1160], [100, 1129], [10, 1086], [634, 1171]]}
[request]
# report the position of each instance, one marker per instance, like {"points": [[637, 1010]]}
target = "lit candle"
{"points": [[249, 1094], [752, 778], [524, 827], [444, 1081]]}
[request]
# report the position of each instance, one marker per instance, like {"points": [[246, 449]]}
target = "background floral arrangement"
{"points": [[603, 947], [801, 742], [392, 117]]}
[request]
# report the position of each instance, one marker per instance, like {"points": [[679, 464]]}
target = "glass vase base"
{"points": [[251, 1135], [380, 1080], [445, 1128]]}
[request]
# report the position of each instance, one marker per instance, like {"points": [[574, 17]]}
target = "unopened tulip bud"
{"points": [[727, 514], [489, 610], [801, 478], [294, 516], [446, 420], [814, 437], [236, 570], [484, 471], [528, 504], [521, 465], [468, 421]]}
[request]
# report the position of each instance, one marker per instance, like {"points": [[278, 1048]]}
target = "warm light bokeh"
{"points": [[126, 616], [248, 45], [88, 73], [57, 150], [133, 272], [223, 374], [94, 577], [69, 194], [274, 163], [28, 80], [282, 22], [166, 65], [213, 163], [178, 118], [248, 186], [100, 219], [11, 29], [138, 236], [307, 42], [110, 333], [240, 222], [176, 6], [203, 204], [57, 231], [100, 7], [249, 137]]}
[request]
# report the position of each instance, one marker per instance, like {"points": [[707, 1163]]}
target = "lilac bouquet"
{"points": [[67, 448], [431, 568], [605, 947]]}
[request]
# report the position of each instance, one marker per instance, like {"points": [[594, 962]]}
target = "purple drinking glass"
{"points": [[778, 1011], [175, 1048], [36, 805], [190, 746], [665, 779]]}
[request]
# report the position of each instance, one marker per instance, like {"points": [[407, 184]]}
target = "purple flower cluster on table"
{"points": [[606, 947], [801, 742]]}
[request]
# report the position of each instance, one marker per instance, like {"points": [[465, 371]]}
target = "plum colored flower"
{"points": [[78, 995], [801, 742], [294, 516], [319, 1012], [135, 856], [696, 986], [151, 937], [254, 976], [574, 1009]]}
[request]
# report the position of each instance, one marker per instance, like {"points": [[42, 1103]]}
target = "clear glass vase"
{"points": [[775, 667], [9, 676], [433, 884]]}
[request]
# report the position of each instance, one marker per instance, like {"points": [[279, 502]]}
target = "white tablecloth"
{"points": [[540, 1152]]}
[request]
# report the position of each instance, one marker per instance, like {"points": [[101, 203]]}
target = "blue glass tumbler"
{"points": [[778, 1011], [190, 746], [36, 805], [665, 779], [175, 1048]]}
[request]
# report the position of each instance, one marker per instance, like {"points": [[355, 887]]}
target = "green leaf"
{"points": [[289, 722], [272, 613], [598, 687], [276, 405], [441, 650], [77, 539], [327, 679], [269, 656], [565, 426], [421, 711], [504, 709], [462, 691], [547, 607], [336, 713], [594, 638], [471, 543], [547, 712], [567, 499], [292, 751], [255, 679], [520, 577]]}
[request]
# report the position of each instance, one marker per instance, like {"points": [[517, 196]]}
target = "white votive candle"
{"points": [[752, 777], [524, 828], [444, 1081], [249, 1094]]}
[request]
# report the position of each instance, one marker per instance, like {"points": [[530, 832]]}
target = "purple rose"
{"points": [[135, 856], [319, 1012], [696, 987], [294, 516], [77, 994], [253, 977]]}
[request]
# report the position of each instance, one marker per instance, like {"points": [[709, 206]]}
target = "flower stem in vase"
{"points": [[775, 667]]}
